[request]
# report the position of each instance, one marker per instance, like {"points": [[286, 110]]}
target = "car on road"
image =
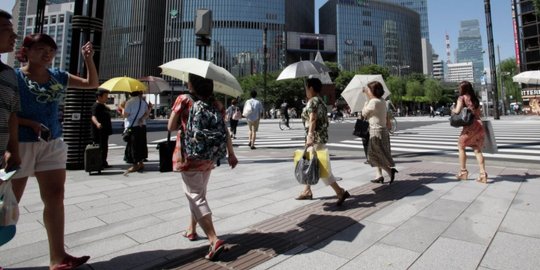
{"points": [[443, 111]]}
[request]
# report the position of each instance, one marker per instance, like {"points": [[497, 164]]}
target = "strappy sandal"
{"points": [[463, 174], [482, 178]]}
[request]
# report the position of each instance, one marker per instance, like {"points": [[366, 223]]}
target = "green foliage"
{"points": [[396, 85], [414, 91], [536, 6], [276, 91], [342, 81], [433, 91], [375, 69]]}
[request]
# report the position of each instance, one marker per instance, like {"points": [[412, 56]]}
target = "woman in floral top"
{"points": [[315, 120], [43, 152]]}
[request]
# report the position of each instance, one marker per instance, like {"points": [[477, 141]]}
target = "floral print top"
{"points": [[316, 104], [39, 102]]}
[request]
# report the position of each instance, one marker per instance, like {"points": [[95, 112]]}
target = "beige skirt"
{"points": [[379, 152]]}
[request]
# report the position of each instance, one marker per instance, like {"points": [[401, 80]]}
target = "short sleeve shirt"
{"points": [[180, 162], [136, 108], [316, 104], [39, 102], [103, 115], [9, 102]]}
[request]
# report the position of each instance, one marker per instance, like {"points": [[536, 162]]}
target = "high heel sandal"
{"points": [[393, 175], [304, 196], [379, 180], [482, 178], [463, 174]]}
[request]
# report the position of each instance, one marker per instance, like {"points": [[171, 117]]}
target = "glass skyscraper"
{"points": [[237, 32], [419, 6], [373, 32], [470, 47]]}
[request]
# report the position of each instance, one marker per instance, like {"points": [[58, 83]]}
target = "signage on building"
{"points": [[534, 92]]}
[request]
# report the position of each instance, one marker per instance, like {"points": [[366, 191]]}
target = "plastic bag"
{"points": [[9, 208], [306, 170]]}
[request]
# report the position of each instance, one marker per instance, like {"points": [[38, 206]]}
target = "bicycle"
{"points": [[283, 123]]}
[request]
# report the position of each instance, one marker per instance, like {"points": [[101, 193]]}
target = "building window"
{"points": [[61, 18], [366, 23], [53, 19], [29, 21], [46, 20]]}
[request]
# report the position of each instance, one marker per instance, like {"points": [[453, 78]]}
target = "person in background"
{"points": [[284, 112], [379, 153], [231, 112], [9, 97], [196, 173], [101, 124], [43, 152], [135, 114], [254, 117], [315, 120], [472, 135]]}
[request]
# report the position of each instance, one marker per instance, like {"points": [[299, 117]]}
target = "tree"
{"points": [[396, 85], [508, 69], [433, 91], [375, 69], [536, 6], [342, 81]]}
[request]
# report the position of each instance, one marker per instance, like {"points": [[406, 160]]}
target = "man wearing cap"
{"points": [[101, 124]]}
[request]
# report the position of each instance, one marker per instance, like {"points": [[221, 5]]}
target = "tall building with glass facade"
{"points": [[419, 6], [237, 31], [132, 43], [470, 47], [373, 32]]}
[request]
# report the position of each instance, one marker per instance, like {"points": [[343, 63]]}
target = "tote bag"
{"points": [[306, 170], [490, 144]]}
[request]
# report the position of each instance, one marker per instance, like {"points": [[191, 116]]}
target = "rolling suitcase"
{"points": [[92, 159], [166, 150]]}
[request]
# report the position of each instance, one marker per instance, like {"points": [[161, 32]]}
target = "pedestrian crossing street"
{"points": [[516, 140]]}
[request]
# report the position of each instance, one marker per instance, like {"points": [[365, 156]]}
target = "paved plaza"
{"points": [[425, 220]]}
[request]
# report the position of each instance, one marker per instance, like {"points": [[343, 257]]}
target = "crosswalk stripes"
{"points": [[516, 141]]}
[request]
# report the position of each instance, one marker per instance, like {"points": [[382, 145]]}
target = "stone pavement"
{"points": [[425, 220]]}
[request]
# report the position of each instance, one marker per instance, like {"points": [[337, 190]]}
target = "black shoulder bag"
{"points": [[127, 133]]}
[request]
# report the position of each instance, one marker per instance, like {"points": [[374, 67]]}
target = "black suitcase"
{"points": [[92, 159], [166, 150]]}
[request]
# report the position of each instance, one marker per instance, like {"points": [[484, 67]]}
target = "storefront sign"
{"points": [[530, 92]]}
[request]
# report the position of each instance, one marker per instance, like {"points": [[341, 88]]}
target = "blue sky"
{"points": [[445, 16]]}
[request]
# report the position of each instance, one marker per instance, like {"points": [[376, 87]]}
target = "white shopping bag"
{"points": [[490, 144]]}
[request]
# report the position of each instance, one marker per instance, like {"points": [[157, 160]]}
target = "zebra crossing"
{"points": [[516, 140]]}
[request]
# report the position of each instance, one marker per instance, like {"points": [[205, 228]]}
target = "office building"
{"points": [[438, 68], [526, 32], [458, 72], [470, 47], [237, 32], [132, 43], [372, 32], [427, 57], [419, 6]]}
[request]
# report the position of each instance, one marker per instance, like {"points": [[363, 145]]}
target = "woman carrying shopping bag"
{"points": [[315, 121]]}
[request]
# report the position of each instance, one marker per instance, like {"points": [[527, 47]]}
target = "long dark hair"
{"points": [[465, 88]]}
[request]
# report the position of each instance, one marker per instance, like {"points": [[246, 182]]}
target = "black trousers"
{"points": [[234, 124], [365, 143]]}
